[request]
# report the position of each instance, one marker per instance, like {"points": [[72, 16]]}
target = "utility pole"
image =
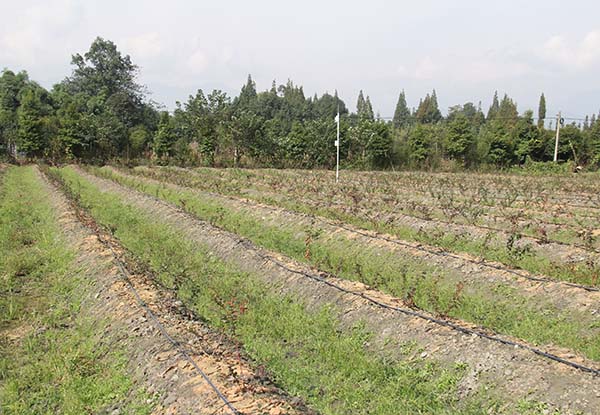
{"points": [[337, 144], [558, 122]]}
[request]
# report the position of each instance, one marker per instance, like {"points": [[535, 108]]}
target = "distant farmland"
{"points": [[278, 291]]}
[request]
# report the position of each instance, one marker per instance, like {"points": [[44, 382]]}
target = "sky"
{"points": [[463, 49]]}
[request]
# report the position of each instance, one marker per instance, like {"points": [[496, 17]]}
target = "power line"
{"points": [[506, 118]]}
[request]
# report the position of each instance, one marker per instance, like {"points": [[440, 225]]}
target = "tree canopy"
{"points": [[101, 112]]}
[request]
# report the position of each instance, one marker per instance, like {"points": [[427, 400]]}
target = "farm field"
{"points": [[388, 293]]}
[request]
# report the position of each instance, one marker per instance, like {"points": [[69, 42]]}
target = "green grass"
{"points": [[201, 178], [306, 351], [493, 306], [52, 359]]}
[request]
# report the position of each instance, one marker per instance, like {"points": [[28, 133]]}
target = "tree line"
{"points": [[100, 113]]}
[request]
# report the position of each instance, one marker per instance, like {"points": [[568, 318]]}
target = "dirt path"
{"points": [[470, 271], [494, 236], [512, 372], [559, 253], [173, 382]]}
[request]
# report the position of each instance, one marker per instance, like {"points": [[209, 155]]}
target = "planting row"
{"points": [[53, 356], [544, 313], [75, 339], [570, 263], [304, 347], [485, 362]]}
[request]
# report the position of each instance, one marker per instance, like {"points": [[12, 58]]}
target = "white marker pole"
{"points": [[558, 122], [337, 144]]}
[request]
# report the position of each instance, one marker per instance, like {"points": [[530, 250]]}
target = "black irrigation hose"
{"points": [[445, 323], [500, 230], [408, 245], [176, 345], [126, 277], [454, 256], [486, 227], [246, 243], [441, 253]]}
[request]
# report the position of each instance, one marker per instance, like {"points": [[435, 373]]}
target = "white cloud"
{"points": [[425, 69], [226, 55], [143, 46], [198, 61], [24, 39], [486, 67], [579, 55]]}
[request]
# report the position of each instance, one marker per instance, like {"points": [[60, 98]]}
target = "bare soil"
{"points": [[510, 372], [559, 253], [174, 384], [473, 272]]}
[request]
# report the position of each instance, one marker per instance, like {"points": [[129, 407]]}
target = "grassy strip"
{"points": [[52, 358], [306, 351], [509, 254], [497, 307]]}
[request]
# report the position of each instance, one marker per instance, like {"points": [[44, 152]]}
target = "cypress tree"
{"points": [[247, 97], [360, 104], [494, 108], [32, 138], [402, 113], [434, 109], [541, 111], [428, 111], [421, 113], [369, 110], [508, 110]]}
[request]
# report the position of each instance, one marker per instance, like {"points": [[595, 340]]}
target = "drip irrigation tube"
{"points": [[413, 313], [125, 276], [249, 245], [421, 248], [182, 351]]}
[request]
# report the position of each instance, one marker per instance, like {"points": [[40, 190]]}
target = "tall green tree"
{"points": [[541, 111], [368, 113], [361, 106], [115, 100], [103, 70], [32, 133], [11, 85], [428, 111], [494, 108], [461, 140], [401, 113], [247, 99], [507, 112], [165, 137]]}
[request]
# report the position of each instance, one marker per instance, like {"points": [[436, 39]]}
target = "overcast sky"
{"points": [[464, 49]]}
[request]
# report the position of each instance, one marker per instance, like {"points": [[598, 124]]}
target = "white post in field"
{"points": [[558, 122], [337, 144]]}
